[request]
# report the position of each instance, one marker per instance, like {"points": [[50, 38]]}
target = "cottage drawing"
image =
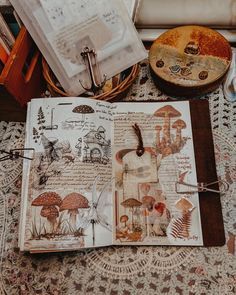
{"points": [[94, 147]]}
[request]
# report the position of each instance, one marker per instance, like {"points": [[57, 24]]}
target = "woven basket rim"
{"points": [[109, 95]]}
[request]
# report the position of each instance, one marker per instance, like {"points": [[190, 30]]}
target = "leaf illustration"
{"points": [[181, 225]]}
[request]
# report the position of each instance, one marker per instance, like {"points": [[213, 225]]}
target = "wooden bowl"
{"points": [[113, 90], [189, 60]]}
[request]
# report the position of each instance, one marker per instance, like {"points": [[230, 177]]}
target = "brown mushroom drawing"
{"points": [[158, 138], [124, 219], [72, 202], [83, 109], [51, 213], [131, 203], [49, 200], [178, 125], [148, 202], [167, 112]]}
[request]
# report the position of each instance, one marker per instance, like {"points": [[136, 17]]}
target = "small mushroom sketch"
{"points": [[72, 202], [179, 125], [167, 112], [49, 200], [51, 213], [124, 219], [83, 109], [131, 203]]}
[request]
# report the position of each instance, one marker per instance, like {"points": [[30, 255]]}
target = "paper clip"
{"points": [[89, 56], [202, 187], [14, 154]]}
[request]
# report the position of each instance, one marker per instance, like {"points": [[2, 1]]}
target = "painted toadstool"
{"points": [[48, 200], [51, 213], [83, 109], [72, 202], [131, 203]]}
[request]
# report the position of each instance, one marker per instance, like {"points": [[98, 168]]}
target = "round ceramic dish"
{"points": [[189, 60]]}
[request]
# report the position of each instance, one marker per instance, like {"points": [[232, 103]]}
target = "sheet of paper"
{"points": [[68, 199], [61, 29], [147, 208]]}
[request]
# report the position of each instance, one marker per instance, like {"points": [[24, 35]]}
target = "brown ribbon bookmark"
{"points": [[140, 147]]}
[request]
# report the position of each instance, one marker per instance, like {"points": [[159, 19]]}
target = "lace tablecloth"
{"points": [[123, 270]]}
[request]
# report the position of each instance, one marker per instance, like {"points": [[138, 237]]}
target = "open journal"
{"points": [[108, 174]]}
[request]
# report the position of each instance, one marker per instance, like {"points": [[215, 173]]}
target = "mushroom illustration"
{"points": [[148, 202], [158, 138], [131, 203], [83, 109], [51, 213], [145, 188], [48, 200], [178, 125], [72, 202], [124, 219], [167, 112]]}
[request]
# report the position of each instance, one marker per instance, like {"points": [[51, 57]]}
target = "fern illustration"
{"points": [[181, 226]]}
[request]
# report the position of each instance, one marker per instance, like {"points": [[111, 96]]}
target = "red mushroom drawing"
{"points": [[72, 202], [83, 109], [49, 201], [131, 203]]}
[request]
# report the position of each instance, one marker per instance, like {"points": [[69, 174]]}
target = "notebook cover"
{"points": [[210, 204]]}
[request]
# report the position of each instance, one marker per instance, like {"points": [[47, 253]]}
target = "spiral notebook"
{"points": [[118, 174]]}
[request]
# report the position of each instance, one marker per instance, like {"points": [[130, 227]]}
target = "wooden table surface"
{"points": [[10, 109]]}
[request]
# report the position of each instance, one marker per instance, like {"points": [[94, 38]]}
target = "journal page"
{"points": [[67, 202], [152, 154]]}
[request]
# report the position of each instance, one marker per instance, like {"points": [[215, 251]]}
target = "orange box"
{"points": [[22, 75]]}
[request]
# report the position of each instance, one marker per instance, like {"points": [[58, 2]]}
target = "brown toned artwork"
{"points": [[181, 226], [146, 211], [58, 224], [165, 143]]}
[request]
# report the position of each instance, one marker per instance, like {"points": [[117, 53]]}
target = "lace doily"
{"points": [[123, 270]]}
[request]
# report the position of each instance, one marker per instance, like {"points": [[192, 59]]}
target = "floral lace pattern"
{"points": [[123, 270]]}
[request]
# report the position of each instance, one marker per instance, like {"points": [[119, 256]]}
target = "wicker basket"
{"points": [[116, 93]]}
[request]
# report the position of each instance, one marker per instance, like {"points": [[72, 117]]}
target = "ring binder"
{"points": [[202, 187], [89, 56], [14, 154]]}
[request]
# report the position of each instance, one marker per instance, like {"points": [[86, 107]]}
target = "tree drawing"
{"points": [[41, 120]]}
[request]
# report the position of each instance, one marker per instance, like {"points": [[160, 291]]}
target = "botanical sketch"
{"points": [[69, 202]]}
